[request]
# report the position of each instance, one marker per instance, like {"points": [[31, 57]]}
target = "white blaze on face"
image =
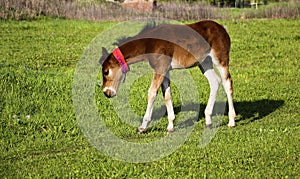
{"points": [[110, 88]]}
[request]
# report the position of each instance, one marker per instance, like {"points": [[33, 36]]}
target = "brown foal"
{"points": [[199, 44]]}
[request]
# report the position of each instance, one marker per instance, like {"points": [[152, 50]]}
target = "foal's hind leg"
{"points": [[207, 69], [166, 90], [214, 83], [227, 84]]}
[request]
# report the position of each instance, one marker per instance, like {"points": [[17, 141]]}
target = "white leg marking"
{"points": [[169, 105], [148, 114], [228, 89], [227, 85], [214, 83]]}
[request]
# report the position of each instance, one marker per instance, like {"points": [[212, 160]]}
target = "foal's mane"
{"points": [[147, 27]]}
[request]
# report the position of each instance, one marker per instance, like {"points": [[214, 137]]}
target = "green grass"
{"points": [[40, 137], [287, 10]]}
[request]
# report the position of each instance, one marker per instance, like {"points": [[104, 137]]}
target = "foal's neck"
{"points": [[131, 50]]}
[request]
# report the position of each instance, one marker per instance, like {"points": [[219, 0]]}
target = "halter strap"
{"points": [[120, 57]]}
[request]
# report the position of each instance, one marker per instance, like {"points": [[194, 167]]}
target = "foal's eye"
{"points": [[105, 73]]}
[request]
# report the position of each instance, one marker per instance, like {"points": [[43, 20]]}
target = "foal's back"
{"points": [[193, 42], [217, 37]]}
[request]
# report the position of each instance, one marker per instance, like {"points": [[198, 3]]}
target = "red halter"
{"points": [[120, 57]]}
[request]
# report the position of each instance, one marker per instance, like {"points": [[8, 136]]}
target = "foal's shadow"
{"points": [[251, 111], [247, 111]]}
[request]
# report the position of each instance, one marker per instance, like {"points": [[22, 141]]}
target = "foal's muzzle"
{"points": [[109, 92]]}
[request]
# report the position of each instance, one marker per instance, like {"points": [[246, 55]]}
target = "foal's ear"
{"points": [[104, 55]]}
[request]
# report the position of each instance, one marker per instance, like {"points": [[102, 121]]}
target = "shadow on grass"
{"points": [[247, 111], [250, 111]]}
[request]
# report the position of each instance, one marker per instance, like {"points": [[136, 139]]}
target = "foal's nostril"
{"points": [[107, 93]]}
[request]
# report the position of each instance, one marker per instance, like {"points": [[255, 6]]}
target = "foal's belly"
{"points": [[183, 58], [176, 65], [182, 63]]}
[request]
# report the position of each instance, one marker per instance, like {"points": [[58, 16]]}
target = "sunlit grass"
{"points": [[40, 136]]}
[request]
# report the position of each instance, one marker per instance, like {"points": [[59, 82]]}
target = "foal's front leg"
{"points": [[155, 84], [166, 90]]}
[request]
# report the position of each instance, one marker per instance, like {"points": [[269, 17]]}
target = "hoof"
{"points": [[231, 123], [208, 126], [170, 130], [141, 130]]}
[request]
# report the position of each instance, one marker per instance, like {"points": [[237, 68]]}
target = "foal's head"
{"points": [[112, 73]]}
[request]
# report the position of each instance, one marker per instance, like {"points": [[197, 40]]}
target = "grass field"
{"points": [[40, 137]]}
